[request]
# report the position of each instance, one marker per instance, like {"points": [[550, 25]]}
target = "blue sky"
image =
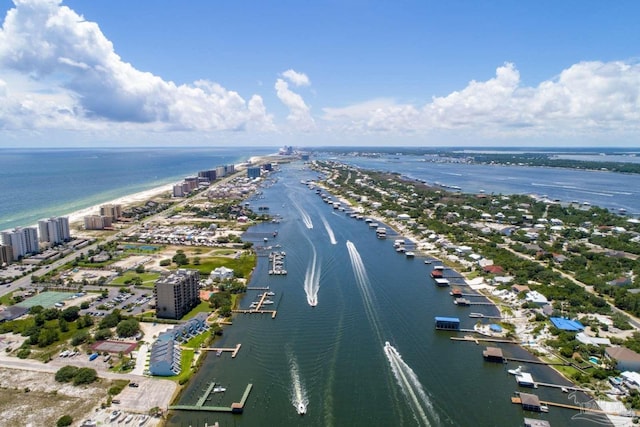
{"points": [[112, 72]]}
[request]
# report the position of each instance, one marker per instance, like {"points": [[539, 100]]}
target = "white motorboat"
{"points": [[302, 408], [516, 371]]}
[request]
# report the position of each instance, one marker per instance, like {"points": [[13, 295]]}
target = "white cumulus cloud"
{"points": [[586, 97], [48, 42], [296, 78], [299, 113]]}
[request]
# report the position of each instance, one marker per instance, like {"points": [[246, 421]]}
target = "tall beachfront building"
{"points": [[54, 230], [177, 294], [23, 241], [112, 211], [6, 255]]}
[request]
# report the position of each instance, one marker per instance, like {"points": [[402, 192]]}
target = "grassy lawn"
{"points": [[241, 266], [7, 299], [197, 341], [148, 279], [203, 307], [185, 367]]}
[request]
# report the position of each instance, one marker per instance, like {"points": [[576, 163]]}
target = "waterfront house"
{"points": [[222, 273], [624, 358], [165, 358], [536, 298]]}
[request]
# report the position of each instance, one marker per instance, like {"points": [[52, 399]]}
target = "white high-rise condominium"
{"points": [[23, 241], [54, 230]]}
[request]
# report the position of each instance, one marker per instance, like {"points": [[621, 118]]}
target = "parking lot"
{"points": [[131, 303]]}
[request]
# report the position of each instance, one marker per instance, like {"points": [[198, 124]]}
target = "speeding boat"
{"points": [[302, 408]]}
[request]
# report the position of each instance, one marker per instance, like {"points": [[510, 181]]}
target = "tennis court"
{"points": [[45, 299], [114, 346]]}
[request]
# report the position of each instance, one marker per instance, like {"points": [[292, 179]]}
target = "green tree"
{"points": [[128, 328], [140, 269], [47, 336], [79, 337], [111, 320], [63, 325], [85, 376], [70, 314], [66, 374], [64, 421], [103, 334], [180, 258]]}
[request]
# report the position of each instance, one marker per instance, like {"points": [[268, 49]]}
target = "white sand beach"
{"points": [[130, 199], [78, 216]]}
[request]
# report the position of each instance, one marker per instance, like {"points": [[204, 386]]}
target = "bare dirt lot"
{"points": [[45, 400]]}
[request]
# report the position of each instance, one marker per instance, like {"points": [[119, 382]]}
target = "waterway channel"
{"points": [[332, 357]]}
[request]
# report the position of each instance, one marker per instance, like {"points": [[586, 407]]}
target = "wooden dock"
{"points": [[477, 339], [234, 350], [588, 406], [272, 312], [236, 407], [257, 288], [537, 362], [566, 387]]}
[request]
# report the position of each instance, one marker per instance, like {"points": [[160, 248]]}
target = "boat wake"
{"points": [[332, 237], [312, 281], [417, 398], [364, 285], [298, 393], [305, 216]]}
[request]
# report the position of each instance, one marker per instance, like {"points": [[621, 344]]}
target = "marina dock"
{"points": [[255, 288], [234, 350], [276, 260], [538, 362], [236, 407], [589, 406], [477, 339], [272, 312]]}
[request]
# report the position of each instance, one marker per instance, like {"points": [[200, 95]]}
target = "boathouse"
{"points": [[448, 323], [493, 354], [525, 379], [441, 282], [533, 422], [530, 402]]}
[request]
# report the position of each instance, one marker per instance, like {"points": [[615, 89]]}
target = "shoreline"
{"points": [[77, 216]]}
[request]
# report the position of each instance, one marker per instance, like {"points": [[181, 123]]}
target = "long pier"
{"points": [[538, 362], [566, 387], [272, 312], [476, 339], [206, 394], [258, 288], [234, 350], [586, 407]]}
